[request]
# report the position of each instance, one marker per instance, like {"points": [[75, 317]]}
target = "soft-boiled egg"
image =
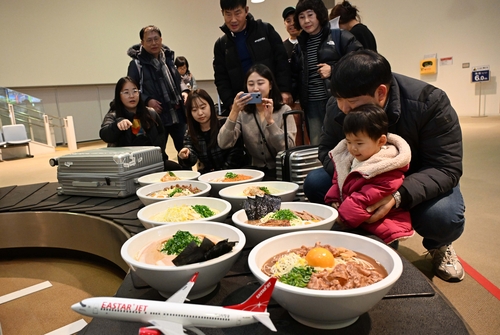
{"points": [[320, 257]]}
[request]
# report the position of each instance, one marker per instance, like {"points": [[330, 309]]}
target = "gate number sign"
{"points": [[480, 74]]}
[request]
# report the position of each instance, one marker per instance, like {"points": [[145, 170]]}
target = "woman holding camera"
{"points": [[257, 116]]}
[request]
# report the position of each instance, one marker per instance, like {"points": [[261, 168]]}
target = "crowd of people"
{"points": [[390, 145]]}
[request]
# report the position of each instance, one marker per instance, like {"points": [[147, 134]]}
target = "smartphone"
{"points": [[256, 98]]}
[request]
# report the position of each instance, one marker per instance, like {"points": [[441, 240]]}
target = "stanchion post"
{"points": [[70, 133], [479, 112], [48, 133]]}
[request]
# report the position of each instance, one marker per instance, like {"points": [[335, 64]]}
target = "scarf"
{"points": [[170, 91]]}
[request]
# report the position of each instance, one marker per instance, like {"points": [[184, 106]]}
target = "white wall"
{"points": [[465, 30], [59, 45]]}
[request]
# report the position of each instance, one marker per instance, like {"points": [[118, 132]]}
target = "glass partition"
{"points": [[28, 110]]}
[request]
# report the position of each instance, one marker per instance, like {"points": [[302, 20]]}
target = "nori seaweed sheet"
{"points": [[249, 206], [258, 207], [274, 203], [193, 253], [221, 248], [207, 250]]}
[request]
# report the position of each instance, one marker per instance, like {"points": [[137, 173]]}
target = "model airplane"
{"points": [[172, 316]]}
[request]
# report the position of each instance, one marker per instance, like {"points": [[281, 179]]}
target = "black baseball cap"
{"points": [[288, 11]]}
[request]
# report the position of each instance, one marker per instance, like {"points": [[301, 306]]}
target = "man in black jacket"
{"points": [[423, 116], [246, 42], [152, 66]]}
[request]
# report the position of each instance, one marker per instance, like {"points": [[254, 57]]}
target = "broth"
{"points": [[151, 253], [351, 269]]}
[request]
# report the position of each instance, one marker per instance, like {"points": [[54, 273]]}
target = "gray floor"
{"points": [[478, 246]]}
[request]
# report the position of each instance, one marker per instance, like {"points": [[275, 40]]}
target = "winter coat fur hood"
{"points": [[374, 179], [396, 154]]}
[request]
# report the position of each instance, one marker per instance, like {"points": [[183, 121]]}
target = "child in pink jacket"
{"points": [[369, 165]]}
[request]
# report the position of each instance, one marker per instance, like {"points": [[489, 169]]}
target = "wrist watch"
{"points": [[397, 197]]}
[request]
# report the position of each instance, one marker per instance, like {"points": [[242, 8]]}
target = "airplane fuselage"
{"points": [[188, 315]]}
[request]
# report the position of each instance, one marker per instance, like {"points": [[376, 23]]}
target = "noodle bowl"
{"points": [[348, 269], [258, 233], [145, 214], [218, 179], [327, 309]]}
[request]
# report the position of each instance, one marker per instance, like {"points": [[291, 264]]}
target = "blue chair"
{"points": [[15, 135]]}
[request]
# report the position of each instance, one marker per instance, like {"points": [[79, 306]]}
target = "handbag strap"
{"points": [[262, 133]]}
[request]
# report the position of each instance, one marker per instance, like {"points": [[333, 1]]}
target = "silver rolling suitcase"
{"points": [[106, 172], [294, 164]]}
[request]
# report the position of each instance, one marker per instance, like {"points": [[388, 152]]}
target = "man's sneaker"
{"points": [[446, 264]]}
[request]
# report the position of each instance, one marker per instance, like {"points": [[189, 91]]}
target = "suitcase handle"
{"points": [[85, 183], [285, 115]]}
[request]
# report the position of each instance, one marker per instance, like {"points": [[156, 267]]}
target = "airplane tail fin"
{"points": [[259, 300], [181, 295]]}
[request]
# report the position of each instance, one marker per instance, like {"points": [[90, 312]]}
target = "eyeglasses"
{"points": [[134, 92], [154, 39]]}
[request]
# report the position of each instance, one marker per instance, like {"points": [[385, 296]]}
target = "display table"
{"points": [[413, 306]]}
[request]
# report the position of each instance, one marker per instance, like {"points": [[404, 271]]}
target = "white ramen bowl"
{"points": [[144, 215], [169, 279], [219, 185], [327, 309], [234, 194], [156, 177], [256, 234], [142, 193]]}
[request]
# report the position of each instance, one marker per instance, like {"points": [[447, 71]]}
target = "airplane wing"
{"points": [[180, 296], [167, 327]]}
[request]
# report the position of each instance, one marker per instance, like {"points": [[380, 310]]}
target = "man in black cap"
{"points": [[289, 43]]}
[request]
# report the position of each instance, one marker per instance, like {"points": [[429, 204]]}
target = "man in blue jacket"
{"points": [[423, 116], [246, 42]]}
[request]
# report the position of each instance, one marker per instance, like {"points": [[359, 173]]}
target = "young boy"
{"points": [[369, 165]]}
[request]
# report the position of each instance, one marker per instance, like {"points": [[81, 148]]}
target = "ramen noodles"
{"points": [[286, 218], [169, 176], [324, 267], [174, 191], [183, 248], [184, 213], [258, 190], [231, 177]]}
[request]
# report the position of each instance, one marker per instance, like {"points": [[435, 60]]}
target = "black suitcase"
{"points": [[294, 164]]}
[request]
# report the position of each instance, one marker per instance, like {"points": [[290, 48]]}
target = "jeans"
{"points": [[440, 221], [176, 131], [315, 114], [317, 183]]}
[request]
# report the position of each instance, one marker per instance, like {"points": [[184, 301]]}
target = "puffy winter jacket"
{"points": [[422, 115], [265, 47], [146, 76], [329, 52], [115, 137], [369, 182]]}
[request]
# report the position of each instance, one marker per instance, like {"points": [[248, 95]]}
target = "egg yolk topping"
{"points": [[320, 257]]}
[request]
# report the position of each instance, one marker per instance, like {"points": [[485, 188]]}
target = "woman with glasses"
{"points": [[130, 123]]}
